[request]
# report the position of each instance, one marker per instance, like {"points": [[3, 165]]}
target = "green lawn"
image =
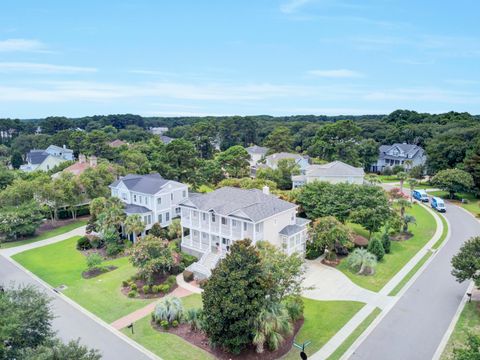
{"points": [[401, 252], [472, 206], [61, 264], [358, 229], [469, 321], [45, 235], [444, 233], [323, 319], [355, 335]]}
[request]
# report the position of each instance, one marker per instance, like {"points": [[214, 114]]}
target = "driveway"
{"points": [[414, 327], [331, 284]]}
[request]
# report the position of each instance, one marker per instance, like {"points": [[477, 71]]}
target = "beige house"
{"points": [[334, 172]]}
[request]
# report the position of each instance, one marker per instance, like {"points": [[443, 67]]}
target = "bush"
{"points": [[174, 323], [83, 243], [362, 261], [132, 294], [133, 286], [396, 169], [375, 247], [146, 289], [193, 317], [202, 283], [164, 324], [386, 242], [155, 289], [187, 275], [294, 306], [96, 242], [188, 259], [94, 261], [171, 280], [168, 309], [312, 253], [164, 288], [125, 283], [113, 249]]}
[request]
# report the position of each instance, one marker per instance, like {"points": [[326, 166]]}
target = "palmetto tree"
{"points": [[362, 261], [169, 308], [134, 225], [402, 176], [413, 183], [403, 203], [270, 327], [112, 216], [408, 219], [408, 164]]}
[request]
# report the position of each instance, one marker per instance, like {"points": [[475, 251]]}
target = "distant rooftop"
{"points": [[147, 184]]}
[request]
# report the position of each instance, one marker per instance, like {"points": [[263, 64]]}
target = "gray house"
{"points": [[406, 155]]}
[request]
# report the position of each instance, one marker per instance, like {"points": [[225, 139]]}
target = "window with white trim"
{"points": [[167, 216]]}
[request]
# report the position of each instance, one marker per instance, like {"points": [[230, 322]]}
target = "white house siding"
{"points": [[49, 163], [274, 225], [337, 179]]}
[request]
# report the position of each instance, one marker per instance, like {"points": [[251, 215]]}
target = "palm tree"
{"points": [[133, 225], [408, 219], [112, 216], [402, 176], [403, 204], [412, 183], [362, 260], [270, 326], [408, 164], [169, 308]]}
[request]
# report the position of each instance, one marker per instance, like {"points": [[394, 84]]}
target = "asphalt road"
{"points": [[71, 323], [414, 327]]}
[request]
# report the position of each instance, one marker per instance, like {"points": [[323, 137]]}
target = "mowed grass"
{"points": [[46, 235], [473, 204], [167, 346], [468, 322], [401, 252], [355, 335], [61, 264], [323, 319]]}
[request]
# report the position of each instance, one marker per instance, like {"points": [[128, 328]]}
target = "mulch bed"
{"points": [[360, 240], [401, 236], [158, 280], [199, 339], [97, 271]]}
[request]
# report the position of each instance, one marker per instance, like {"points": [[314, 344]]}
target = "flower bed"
{"points": [[137, 287]]}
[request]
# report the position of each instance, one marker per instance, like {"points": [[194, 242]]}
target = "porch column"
{"points": [[254, 234], [242, 224], [231, 228]]}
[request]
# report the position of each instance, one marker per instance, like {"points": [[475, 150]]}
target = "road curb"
{"points": [[92, 316]]}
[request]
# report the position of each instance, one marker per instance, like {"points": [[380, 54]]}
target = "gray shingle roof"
{"points": [[59, 149], [135, 209], [409, 149], [335, 168], [255, 149], [166, 139], [147, 184], [36, 156], [291, 230], [252, 203]]}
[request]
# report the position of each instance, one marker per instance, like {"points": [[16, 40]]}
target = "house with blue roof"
{"points": [[47, 159]]}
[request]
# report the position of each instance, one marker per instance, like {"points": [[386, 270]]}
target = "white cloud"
{"points": [[38, 68], [293, 5], [338, 73], [24, 45]]}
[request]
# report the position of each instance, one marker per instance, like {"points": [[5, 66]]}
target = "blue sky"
{"points": [[173, 58]]}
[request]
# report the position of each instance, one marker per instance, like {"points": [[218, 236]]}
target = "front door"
{"points": [[225, 245]]}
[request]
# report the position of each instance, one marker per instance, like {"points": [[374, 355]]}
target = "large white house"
{"points": [[47, 159], [151, 196], [406, 155], [212, 222], [257, 154], [303, 161], [334, 172]]}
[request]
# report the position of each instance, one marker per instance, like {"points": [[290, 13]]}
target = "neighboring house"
{"points": [[47, 159], [117, 143], [405, 155], [257, 154], [152, 197], [303, 161], [166, 139], [80, 166], [212, 222], [334, 172], [158, 130]]}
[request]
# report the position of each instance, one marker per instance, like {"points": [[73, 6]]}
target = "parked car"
{"points": [[438, 204], [420, 195]]}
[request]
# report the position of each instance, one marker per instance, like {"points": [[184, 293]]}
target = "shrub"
{"points": [[362, 261], [94, 261], [386, 242], [96, 242], [83, 243], [164, 324], [174, 323], [193, 317], [132, 294], [164, 288], [397, 168], [154, 289], [375, 247], [171, 280], [168, 309], [202, 283], [113, 249], [294, 306], [187, 275], [125, 283], [133, 286], [156, 230], [146, 289], [188, 259]]}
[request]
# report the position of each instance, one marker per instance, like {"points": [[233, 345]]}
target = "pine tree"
{"points": [[386, 242], [376, 248]]}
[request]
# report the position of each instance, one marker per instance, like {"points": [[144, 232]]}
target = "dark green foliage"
{"points": [[295, 307], [375, 247], [233, 297], [16, 160], [386, 242], [22, 220], [466, 263], [471, 351], [453, 181], [56, 350], [83, 243], [327, 233]]}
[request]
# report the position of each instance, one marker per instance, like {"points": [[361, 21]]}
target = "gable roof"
{"points": [[166, 139], [251, 203], [334, 168], [409, 150], [36, 157], [147, 184], [59, 149], [255, 149]]}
